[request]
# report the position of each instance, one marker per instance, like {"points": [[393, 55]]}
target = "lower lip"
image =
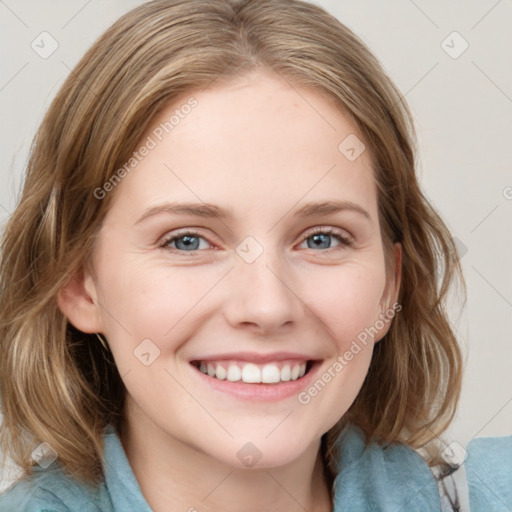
{"points": [[260, 392]]}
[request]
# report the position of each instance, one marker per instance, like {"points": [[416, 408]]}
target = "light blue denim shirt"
{"points": [[371, 479]]}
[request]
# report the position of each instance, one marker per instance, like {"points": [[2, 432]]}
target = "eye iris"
{"points": [[316, 238], [188, 245]]}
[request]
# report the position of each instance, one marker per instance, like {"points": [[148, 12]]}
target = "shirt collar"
{"points": [[371, 477], [120, 480]]}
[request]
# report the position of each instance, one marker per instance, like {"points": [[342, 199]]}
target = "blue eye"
{"points": [[321, 236], [189, 241], [185, 241]]}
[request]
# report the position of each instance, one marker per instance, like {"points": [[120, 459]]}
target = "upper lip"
{"points": [[254, 357]]}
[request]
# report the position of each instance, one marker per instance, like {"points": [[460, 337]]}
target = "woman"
{"points": [[224, 196]]}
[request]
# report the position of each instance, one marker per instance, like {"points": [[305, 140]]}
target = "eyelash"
{"points": [[344, 240]]}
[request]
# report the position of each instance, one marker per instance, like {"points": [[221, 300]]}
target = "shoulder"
{"points": [[29, 495], [55, 490], [376, 477], [489, 472], [52, 490]]}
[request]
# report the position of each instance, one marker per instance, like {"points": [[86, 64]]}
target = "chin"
{"points": [[269, 453]]}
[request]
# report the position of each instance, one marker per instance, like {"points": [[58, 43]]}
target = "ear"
{"points": [[77, 300], [388, 304]]}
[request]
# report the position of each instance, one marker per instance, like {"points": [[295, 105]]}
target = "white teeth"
{"points": [[234, 373], [251, 373], [221, 372], [270, 374], [286, 374], [254, 374]]}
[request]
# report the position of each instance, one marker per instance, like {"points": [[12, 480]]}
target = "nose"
{"points": [[262, 297]]}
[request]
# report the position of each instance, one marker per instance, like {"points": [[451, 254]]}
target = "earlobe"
{"points": [[77, 301]]}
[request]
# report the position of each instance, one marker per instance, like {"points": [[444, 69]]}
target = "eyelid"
{"points": [[173, 235], [331, 230], [345, 238]]}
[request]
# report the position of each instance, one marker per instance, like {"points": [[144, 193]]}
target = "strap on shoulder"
{"points": [[453, 488]]}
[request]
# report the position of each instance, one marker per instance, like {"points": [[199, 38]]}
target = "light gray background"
{"points": [[463, 112]]}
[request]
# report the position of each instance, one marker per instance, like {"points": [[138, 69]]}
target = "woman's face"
{"points": [[251, 293]]}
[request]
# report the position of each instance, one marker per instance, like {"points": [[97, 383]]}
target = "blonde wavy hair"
{"points": [[58, 384]]}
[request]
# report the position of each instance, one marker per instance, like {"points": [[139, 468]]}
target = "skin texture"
{"points": [[261, 149]]}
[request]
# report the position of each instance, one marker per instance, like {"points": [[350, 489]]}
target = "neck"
{"points": [[168, 474]]}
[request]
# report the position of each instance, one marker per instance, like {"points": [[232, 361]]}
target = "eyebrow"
{"points": [[207, 210]]}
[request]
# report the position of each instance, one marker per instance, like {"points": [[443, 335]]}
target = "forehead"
{"points": [[256, 141]]}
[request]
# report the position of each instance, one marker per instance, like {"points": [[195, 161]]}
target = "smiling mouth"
{"points": [[250, 373]]}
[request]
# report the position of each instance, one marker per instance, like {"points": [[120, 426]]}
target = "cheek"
{"points": [[347, 307], [152, 299], [347, 301], [148, 301]]}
